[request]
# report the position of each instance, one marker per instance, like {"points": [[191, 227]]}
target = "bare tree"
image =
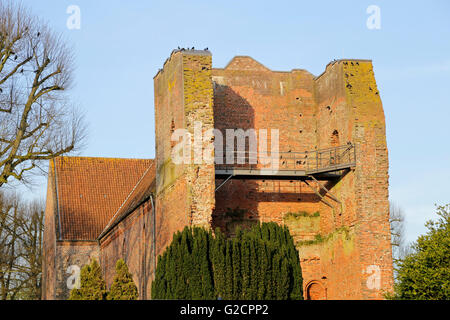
{"points": [[30, 240], [9, 224], [37, 122], [400, 248], [21, 231], [397, 223]]}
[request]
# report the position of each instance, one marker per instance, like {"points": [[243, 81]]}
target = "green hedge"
{"points": [[262, 263]]}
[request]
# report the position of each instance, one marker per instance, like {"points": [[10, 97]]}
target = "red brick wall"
{"points": [[198, 108], [71, 253], [49, 240], [250, 96], [171, 189], [371, 176], [132, 241], [355, 239], [349, 88], [184, 192]]}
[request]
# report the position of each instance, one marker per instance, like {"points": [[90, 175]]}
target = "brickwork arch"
{"points": [[315, 290]]}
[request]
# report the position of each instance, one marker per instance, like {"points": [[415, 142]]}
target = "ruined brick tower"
{"points": [[330, 189]]}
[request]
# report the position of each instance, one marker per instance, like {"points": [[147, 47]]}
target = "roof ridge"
{"points": [[245, 57], [99, 158]]}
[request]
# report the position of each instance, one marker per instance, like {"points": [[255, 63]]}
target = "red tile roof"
{"points": [[140, 193], [90, 191]]}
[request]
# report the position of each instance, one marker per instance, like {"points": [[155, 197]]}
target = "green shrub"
{"points": [[261, 263], [123, 287], [424, 274], [92, 285]]}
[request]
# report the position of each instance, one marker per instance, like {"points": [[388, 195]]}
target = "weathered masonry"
{"points": [[330, 186]]}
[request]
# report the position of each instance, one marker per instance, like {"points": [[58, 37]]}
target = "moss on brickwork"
{"points": [[301, 214], [302, 222], [362, 92], [198, 107], [167, 174], [198, 90], [348, 242], [327, 242]]}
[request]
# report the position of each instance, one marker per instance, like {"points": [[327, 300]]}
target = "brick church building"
{"points": [[330, 186]]}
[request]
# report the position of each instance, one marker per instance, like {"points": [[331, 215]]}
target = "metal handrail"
{"points": [[308, 160]]}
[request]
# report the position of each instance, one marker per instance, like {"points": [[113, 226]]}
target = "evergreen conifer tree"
{"points": [[218, 264], [236, 266], [123, 287], [229, 270], [92, 285]]}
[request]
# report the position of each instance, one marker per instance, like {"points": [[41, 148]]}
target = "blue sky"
{"points": [[121, 45]]}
